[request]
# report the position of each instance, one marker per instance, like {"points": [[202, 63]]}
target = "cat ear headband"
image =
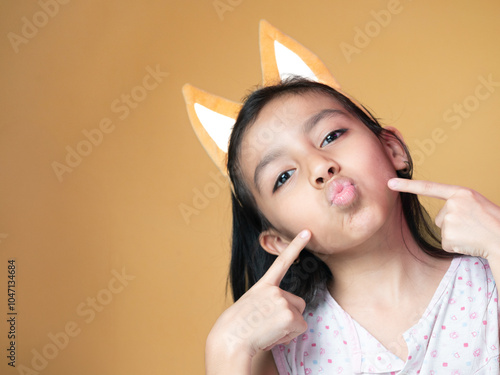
{"points": [[213, 117]]}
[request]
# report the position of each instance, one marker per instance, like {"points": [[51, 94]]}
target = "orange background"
{"points": [[118, 210]]}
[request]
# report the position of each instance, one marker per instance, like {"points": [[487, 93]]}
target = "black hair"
{"points": [[249, 261]]}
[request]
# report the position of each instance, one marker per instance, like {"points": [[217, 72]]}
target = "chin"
{"points": [[336, 243], [364, 220]]}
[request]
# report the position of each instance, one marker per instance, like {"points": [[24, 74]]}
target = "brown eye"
{"points": [[332, 136], [282, 179]]}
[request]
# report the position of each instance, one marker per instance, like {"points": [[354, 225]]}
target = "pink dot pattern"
{"points": [[457, 334]]}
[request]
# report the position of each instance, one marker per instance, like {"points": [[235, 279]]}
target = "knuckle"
{"points": [[288, 316], [427, 186], [465, 193], [301, 305], [275, 294], [452, 204], [446, 246], [447, 220], [302, 326]]}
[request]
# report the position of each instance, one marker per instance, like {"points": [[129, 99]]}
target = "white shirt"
{"points": [[458, 333]]}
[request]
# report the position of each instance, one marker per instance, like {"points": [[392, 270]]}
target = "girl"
{"points": [[374, 291]]}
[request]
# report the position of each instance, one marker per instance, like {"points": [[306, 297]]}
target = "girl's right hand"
{"points": [[263, 317]]}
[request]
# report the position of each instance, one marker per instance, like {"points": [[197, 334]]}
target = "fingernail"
{"points": [[304, 234], [392, 183]]}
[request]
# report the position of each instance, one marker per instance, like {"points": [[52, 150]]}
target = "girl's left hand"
{"points": [[470, 223]]}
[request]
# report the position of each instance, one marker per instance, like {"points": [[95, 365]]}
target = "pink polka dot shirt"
{"points": [[458, 333]]}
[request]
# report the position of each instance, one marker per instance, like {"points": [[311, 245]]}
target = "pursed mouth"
{"points": [[341, 191]]}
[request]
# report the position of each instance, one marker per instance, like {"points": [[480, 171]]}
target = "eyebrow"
{"points": [[314, 120], [266, 160], [308, 126]]}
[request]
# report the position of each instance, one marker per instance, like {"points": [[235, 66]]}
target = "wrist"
{"points": [[225, 354]]}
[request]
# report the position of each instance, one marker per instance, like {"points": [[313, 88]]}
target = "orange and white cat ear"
{"points": [[282, 56], [212, 118]]}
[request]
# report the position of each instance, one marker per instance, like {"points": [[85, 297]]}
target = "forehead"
{"points": [[290, 106]]}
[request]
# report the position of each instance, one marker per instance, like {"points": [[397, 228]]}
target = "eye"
{"points": [[282, 179], [332, 136]]}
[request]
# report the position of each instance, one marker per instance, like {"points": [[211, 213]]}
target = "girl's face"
{"points": [[312, 165]]}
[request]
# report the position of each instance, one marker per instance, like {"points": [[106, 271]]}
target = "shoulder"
{"points": [[473, 269], [472, 284], [469, 314]]}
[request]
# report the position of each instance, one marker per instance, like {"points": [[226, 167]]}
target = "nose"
{"points": [[321, 170]]}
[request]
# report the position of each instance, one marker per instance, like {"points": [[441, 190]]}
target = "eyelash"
{"points": [[279, 183], [337, 133], [287, 174]]}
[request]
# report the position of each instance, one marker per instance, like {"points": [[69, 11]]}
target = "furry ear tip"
{"points": [[263, 23], [187, 90], [265, 27]]}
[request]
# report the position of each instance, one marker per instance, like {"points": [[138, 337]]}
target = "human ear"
{"points": [[391, 139], [273, 242]]}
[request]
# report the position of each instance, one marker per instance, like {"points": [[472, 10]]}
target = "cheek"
{"points": [[378, 166], [291, 215]]}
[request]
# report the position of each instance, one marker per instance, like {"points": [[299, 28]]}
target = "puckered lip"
{"points": [[341, 191]]}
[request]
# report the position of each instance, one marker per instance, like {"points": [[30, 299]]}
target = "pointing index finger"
{"points": [[278, 269], [427, 188]]}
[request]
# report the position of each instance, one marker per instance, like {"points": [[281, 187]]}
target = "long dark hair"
{"points": [[249, 261]]}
